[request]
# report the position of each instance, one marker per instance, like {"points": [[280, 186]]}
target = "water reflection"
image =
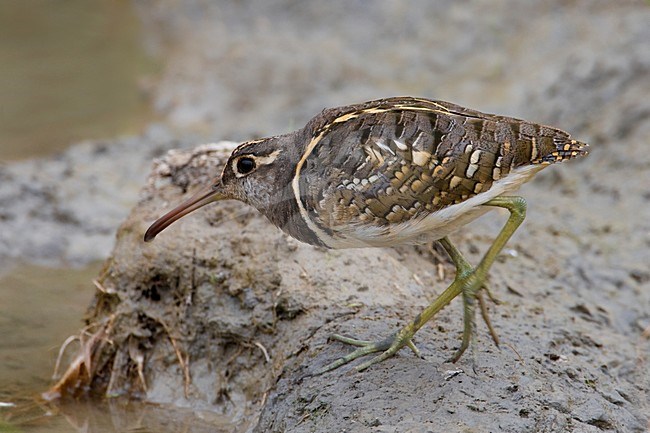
{"points": [[106, 417]]}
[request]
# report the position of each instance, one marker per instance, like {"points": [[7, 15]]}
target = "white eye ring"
{"points": [[244, 165]]}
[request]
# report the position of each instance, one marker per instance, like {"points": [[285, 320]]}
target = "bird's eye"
{"points": [[245, 165]]}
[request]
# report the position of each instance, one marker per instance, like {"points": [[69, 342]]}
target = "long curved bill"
{"points": [[200, 199]]}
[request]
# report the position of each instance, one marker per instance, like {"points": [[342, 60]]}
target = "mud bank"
{"points": [[224, 312]]}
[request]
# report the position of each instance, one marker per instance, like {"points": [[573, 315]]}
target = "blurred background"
{"points": [[91, 91], [123, 81], [78, 70], [71, 70]]}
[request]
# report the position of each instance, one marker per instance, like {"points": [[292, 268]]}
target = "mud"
{"points": [[194, 315], [224, 313]]}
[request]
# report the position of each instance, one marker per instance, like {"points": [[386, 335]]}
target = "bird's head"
{"points": [[257, 173]]}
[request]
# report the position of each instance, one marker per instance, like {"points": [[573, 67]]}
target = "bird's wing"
{"points": [[390, 160]]}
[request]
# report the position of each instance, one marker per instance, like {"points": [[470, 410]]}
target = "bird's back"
{"points": [[404, 170]]}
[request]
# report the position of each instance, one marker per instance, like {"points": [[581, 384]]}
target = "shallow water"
{"points": [[70, 71], [39, 308], [106, 417]]}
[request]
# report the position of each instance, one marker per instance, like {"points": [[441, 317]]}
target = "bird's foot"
{"points": [[469, 329], [388, 346]]}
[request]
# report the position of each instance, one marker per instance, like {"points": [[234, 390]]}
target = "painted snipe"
{"points": [[389, 172]]}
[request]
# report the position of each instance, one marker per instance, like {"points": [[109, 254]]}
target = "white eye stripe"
{"points": [[268, 159], [259, 161]]}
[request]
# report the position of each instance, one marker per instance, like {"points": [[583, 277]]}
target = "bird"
{"points": [[388, 172]]}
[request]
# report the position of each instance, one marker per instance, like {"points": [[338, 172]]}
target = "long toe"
{"points": [[363, 350], [389, 346]]}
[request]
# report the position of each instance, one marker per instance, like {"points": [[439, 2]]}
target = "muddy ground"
{"points": [[226, 315]]}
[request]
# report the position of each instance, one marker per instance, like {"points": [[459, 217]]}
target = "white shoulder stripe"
{"points": [[295, 184]]}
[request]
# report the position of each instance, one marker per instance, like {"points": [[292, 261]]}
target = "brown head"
{"points": [[258, 173]]}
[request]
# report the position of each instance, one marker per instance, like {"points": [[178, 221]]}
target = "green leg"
{"points": [[468, 281], [517, 208]]}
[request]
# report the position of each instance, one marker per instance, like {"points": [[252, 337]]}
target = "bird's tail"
{"points": [[564, 148]]}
